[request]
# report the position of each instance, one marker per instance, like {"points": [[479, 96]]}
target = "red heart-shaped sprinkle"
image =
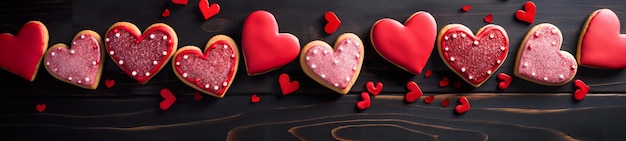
{"points": [[539, 59], [457, 84], [21, 54], [211, 72], [208, 11], [429, 99], [443, 82], [265, 49], [40, 107], [489, 18], [528, 15], [141, 56], [254, 98], [582, 90], [286, 85], [428, 73], [466, 8], [473, 58], [445, 102], [411, 50], [463, 106], [414, 92], [166, 13], [375, 90], [168, 99], [364, 103], [79, 65], [333, 22], [181, 2], [197, 97], [601, 45], [109, 83], [505, 81]]}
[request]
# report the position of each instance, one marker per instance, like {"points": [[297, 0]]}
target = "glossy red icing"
{"points": [[254, 98], [600, 44], [210, 72], [505, 81], [333, 22], [79, 65], [411, 50], [488, 18], [466, 8], [463, 105], [208, 11], [374, 89], [141, 57], [21, 54], [474, 58], [168, 99], [265, 49], [364, 103], [429, 99], [336, 67], [415, 92], [528, 14], [540, 59], [582, 90], [286, 85], [444, 82]]}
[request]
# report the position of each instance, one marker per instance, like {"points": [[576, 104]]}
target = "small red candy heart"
{"points": [[286, 85], [429, 99], [109, 83], [457, 84], [528, 15], [364, 103], [375, 90], [166, 13], [40, 107], [505, 81], [466, 8], [80, 65], [254, 98], [444, 82], [208, 11], [168, 99], [582, 90], [601, 44], [197, 97], [414, 92], [445, 102], [489, 18], [464, 105], [333, 22], [181, 2], [21, 54], [428, 73]]}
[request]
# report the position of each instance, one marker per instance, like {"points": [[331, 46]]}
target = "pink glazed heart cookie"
{"points": [[22, 53], [407, 46], [80, 65], [211, 72], [474, 58], [336, 69], [141, 56], [264, 49], [539, 59], [600, 44]]}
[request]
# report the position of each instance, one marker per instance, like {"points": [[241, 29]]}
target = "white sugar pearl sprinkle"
{"points": [[498, 61], [206, 86], [164, 37], [225, 84], [545, 78], [347, 78], [164, 52], [463, 69], [502, 48], [53, 53], [232, 56], [323, 76], [491, 36], [475, 42], [336, 84], [47, 63], [94, 63], [82, 36], [533, 74], [177, 63], [488, 71], [561, 76], [185, 57], [111, 52], [151, 36], [147, 73], [314, 51], [134, 73], [86, 79], [573, 66], [106, 39], [117, 34], [452, 59], [463, 35], [121, 62], [216, 88], [80, 81], [446, 49], [72, 51], [454, 35], [313, 66], [73, 43], [446, 38], [185, 75], [325, 51], [69, 78], [155, 62], [470, 77], [526, 64], [308, 58]]}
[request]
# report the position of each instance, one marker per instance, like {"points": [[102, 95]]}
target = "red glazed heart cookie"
{"points": [[210, 72], [411, 50], [22, 53], [539, 59], [600, 44], [80, 65], [474, 58], [264, 49], [141, 56], [336, 69]]}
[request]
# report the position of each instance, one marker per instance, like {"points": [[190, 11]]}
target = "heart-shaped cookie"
{"points": [[474, 58], [141, 56], [600, 44], [211, 72], [264, 49], [22, 53], [407, 46], [540, 60], [80, 65], [336, 69]]}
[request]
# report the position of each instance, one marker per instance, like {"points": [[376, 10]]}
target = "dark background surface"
{"points": [[129, 111]]}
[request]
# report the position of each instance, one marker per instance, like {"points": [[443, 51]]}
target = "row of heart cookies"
{"points": [[142, 56]]}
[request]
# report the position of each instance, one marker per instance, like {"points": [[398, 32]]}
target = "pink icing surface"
{"points": [[336, 67], [212, 71], [140, 57], [79, 65], [474, 58], [541, 59]]}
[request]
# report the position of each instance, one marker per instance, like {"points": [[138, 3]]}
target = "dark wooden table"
{"points": [[130, 111]]}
